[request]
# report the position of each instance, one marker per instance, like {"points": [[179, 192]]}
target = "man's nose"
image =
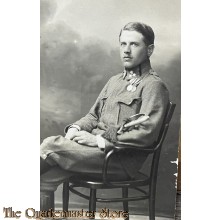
{"points": [[127, 49]]}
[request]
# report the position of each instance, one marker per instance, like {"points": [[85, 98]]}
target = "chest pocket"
{"points": [[128, 106]]}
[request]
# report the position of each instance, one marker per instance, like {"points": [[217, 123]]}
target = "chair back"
{"points": [[161, 137]]}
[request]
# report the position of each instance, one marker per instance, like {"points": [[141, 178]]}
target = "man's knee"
{"points": [[52, 140]]}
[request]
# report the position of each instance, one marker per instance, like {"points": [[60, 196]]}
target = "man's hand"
{"points": [[71, 133], [85, 138]]}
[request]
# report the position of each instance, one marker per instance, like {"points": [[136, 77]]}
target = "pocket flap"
{"points": [[129, 100]]}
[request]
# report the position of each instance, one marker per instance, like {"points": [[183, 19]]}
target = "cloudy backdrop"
{"points": [[79, 53]]}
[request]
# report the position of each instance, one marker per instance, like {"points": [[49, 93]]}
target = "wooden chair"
{"points": [[94, 183]]}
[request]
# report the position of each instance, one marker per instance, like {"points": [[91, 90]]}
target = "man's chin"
{"points": [[128, 66]]}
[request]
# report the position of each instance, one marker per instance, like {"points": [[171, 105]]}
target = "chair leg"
{"points": [[152, 203], [65, 196], [125, 203], [151, 209], [92, 202]]}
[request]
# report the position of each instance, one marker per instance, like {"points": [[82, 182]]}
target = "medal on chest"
{"points": [[134, 80], [131, 88], [133, 83]]}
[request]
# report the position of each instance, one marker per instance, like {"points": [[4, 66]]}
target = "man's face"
{"points": [[133, 50]]}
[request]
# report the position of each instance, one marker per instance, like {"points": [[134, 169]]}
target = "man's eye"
{"points": [[123, 44], [134, 44]]}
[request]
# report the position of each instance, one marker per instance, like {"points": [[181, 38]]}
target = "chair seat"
{"points": [[92, 181]]}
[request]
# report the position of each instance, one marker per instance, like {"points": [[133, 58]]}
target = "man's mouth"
{"points": [[127, 58]]}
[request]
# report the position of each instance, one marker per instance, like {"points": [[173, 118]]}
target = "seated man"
{"points": [[138, 90]]}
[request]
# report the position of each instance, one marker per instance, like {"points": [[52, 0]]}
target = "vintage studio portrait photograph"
{"points": [[110, 109]]}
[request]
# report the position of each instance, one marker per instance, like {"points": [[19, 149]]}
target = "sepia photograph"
{"points": [[120, 101], [110, 109]]}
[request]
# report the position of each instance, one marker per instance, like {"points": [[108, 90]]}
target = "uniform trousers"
{"points": [[78, 158]]}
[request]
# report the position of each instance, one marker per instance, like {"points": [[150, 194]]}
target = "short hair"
{"points": [[142, 28]]}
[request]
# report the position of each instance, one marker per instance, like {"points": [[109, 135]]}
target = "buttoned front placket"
{"points": [[112, 107]]}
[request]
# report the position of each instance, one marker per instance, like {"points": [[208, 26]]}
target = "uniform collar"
{"points": [[140, 70]]}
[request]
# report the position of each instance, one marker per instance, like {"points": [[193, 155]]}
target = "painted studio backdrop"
{"points": [[80, 52]]}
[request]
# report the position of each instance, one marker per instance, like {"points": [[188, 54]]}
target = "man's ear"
{"points": [[150, 49]]}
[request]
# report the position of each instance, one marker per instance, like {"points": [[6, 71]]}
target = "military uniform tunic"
{"points": [[114, 104]]}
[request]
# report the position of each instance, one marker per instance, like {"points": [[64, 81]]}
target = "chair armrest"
{"points": [[120, 148], [105, 165]]}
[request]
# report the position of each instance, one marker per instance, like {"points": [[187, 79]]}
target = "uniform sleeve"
{"points": [[90, 120], [155, 99]]}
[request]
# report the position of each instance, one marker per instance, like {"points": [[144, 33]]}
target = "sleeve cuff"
{"points": [[71, 126], [100, 141]]}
